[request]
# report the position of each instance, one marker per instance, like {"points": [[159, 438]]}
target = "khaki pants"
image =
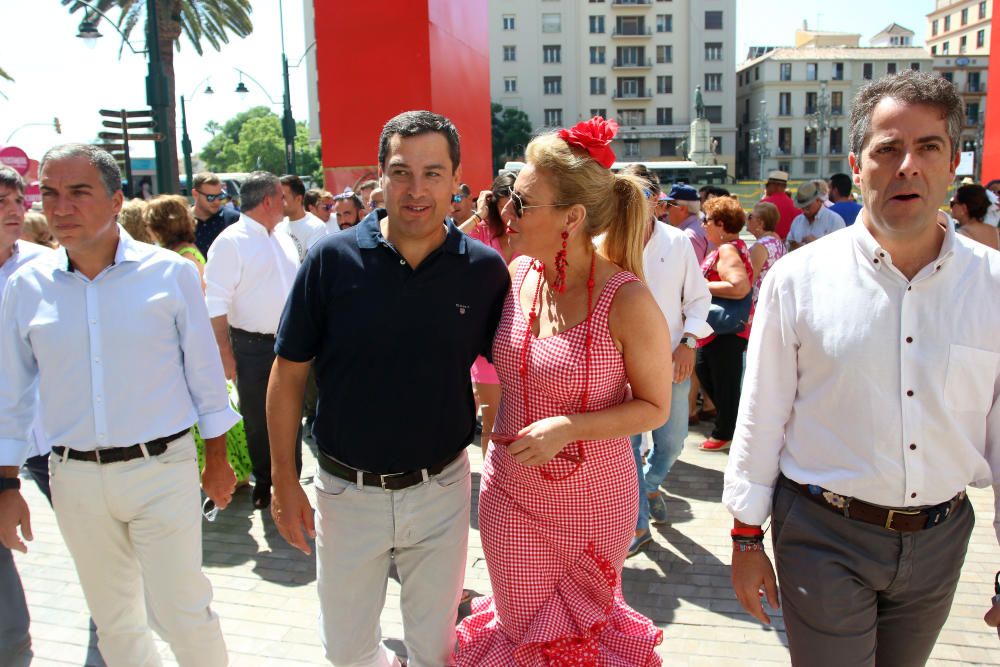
{"points": [[425, 529], [134, 531]]}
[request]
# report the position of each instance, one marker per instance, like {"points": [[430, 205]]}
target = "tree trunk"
{"points": [[170, 32]]}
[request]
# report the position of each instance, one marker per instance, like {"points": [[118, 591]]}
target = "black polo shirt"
{"points": [[393, 345], [206, 231]]}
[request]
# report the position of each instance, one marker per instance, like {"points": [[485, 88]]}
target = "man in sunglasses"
{"points": [[319, 202], [210, 211], [462, 203]]}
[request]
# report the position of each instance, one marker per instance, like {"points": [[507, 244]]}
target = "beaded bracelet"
{"points": [[745, 546]]}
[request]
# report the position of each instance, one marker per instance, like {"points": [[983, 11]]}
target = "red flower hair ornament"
{"points": [[593, 136]]}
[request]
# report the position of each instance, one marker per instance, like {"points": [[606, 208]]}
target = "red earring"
{"points": [[560, 284]]}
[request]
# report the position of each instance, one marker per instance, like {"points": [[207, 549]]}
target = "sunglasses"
{"points": [[457, 199], [519, 206], [213, 198], [327, 207]]}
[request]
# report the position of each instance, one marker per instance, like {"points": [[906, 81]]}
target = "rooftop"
{"points": [[911, 53]]}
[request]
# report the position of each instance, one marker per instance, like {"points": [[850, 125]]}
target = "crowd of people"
{"points": [[575, 308]]}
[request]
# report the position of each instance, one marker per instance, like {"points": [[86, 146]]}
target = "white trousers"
{"points": [[359, 530], [134, 531]]}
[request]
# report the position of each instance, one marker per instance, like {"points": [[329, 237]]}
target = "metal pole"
{"points": [[130, 190], [287, 120], [186, 147], [156, 95]]}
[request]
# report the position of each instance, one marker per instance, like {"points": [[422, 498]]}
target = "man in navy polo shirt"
{"points": [[394, 313]]}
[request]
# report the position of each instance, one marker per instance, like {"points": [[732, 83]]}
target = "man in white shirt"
{"points": [[815, 221], [117, 338], [319, 202], [869, 402], [349, 210], [675, 279], [248, 275], [303, 227]]}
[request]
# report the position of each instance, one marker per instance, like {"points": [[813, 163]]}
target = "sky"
{"points": [[57, 75]]}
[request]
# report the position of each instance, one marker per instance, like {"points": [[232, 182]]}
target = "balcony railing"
{"points": [[785, 112], [632, 3], [632, 33], [639, 63], [976, 87], [837, 111], [633, 94], [810, 150]]}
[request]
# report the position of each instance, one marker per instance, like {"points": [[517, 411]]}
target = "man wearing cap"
{"points": [[774, 192], [815, 221], [682, 212]]}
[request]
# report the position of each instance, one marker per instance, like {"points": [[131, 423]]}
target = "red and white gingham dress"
{"points": [[555, 549]]}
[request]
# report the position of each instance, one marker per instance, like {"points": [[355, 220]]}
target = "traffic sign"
{"points": [[15, 158], [132, 126], [145, 113]]}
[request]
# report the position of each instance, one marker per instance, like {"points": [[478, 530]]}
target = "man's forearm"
{"points": [[285, 391], [220, 327]]}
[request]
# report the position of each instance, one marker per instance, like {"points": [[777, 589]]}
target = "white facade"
{"points": [[637, 61], [791, 82]]}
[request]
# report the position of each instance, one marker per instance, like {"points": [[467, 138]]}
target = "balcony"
{"points": [[632, 33], [632, 64], [975, 87], [836, 111], [620, 94], [626, 4]]}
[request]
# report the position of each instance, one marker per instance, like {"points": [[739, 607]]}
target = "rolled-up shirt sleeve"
{"points": [[17, 381], [769, 389], [696, 299], [203, 371], [222, 275]]}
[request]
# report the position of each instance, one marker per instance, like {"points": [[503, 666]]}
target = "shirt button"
{"points": [[875, 260], [913, 495], [909, 392], [909, 289], [909, 339], [402, 262], [912, 446]]}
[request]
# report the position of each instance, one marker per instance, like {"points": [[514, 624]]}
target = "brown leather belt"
{"points": [[390, 482], [119, 454], [902, 520]]}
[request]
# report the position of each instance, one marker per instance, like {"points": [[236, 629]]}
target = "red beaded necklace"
{"points": [[587, 344]]}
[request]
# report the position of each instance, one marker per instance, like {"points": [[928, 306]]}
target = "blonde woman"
{"points": [[559, 494], [36, 230], [133, 218], [171, 223]]}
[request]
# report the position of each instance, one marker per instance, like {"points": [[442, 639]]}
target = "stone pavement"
{"points": [[266, 597]]}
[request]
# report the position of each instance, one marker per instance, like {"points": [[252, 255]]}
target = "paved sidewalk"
{"points": [[265, 592]]}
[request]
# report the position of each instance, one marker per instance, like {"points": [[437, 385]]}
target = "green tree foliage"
{"points": [[252, 140], [511, 133]]}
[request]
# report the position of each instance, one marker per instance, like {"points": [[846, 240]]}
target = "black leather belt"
{"points": [[119, 454], [390, 482], [901, 520], [251, 335]]}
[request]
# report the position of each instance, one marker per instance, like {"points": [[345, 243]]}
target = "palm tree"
{"points": [[208, 20]]}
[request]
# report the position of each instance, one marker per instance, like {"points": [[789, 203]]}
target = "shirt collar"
{"points": [[878, 257], [253, 226], [128, 250], [369, 234]]}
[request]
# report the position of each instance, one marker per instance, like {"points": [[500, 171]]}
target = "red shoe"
{"points": [[711, 445]]}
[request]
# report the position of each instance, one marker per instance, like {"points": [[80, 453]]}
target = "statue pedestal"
{"points": [[700, 142]]}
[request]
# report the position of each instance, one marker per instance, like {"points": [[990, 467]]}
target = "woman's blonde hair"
{"points": [[133, 218], [170, 218], [615, 203], [36, 229]]}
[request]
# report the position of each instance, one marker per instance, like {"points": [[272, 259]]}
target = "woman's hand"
{"points": [[539, 442], [482, 203]]}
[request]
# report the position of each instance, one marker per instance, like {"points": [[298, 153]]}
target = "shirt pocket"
{"points": [[969, 382]]}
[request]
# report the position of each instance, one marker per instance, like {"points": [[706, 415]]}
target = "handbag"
{"points": [[729, 316]]}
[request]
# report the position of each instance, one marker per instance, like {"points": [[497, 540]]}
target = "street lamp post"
{"points": [[185, 139], [287, 120], [821, 121], [760, 136]]}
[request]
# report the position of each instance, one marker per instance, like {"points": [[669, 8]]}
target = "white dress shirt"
{"points": [[124, 358], [25, 252], [676, 281], [826, 222], [304, 232], [249, 274], [868, 384]]}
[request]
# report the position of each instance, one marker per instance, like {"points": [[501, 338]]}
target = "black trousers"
{"points": [[719, 366], [254, 354]]}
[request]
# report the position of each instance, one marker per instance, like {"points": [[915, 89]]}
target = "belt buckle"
{"points": [[97, 455], [382, 478], [892, 513]]}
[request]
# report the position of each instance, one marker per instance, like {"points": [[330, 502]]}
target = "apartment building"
{"points": [[807, 93], [637, 61], [958, 37]]}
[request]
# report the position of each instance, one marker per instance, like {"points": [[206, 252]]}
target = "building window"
{"points": [[785, 165], [972, 113], [713, 50], [552, 85], [784, 141], [664, 53], [809, 141], [866, 71], [664, 23], [980, 38], [553, 117], [713, 113], [509, 54], [631, 148], [597, 55], [812, 70], [717, 144], [664, 116], [596, 26], [784, 104], [810, 103], [756, 73], [947, 23], [915, 67], [630, 25], [835, 166], [809, 166], [713, 83], [836, 140], [972, 82], [632, 87], [965, 16], [934, 27], [508, 22], [632, 116], [982, 9], [944, 48], [598, 85], [890, 68], [934, 50], [963, 43], [786, 71], [551, 22], [713, 20], [664, 85], [948, 76], [599, 111], [838, 72], [739, 78], [552, 53], [596, 1], [510, 84], [668, 146], [630, 56], [837, 103]]}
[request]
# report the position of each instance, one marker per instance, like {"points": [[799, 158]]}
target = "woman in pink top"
{"points": [[487, 225]]}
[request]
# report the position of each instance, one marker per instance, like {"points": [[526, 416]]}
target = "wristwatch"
{"points": [[11, 483], [690, 341]]}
